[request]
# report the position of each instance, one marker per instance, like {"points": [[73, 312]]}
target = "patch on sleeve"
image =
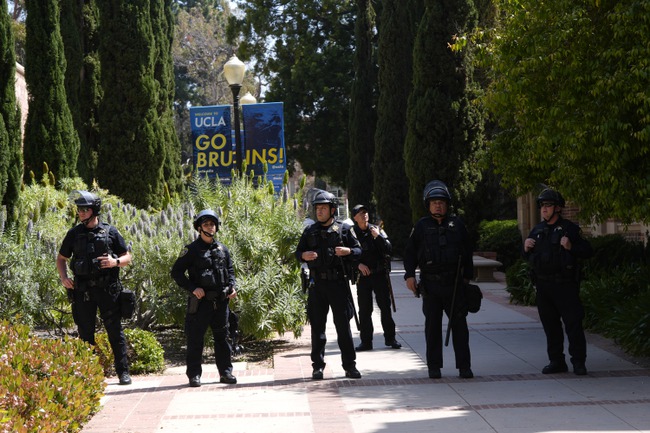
{"points": [[185, 250]]}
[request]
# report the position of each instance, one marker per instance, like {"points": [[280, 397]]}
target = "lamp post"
{"points": [[234, 70]]}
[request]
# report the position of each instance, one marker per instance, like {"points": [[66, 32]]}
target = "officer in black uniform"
{"points": [[373, 269], [210, 285], [327, 246], [436, 245], [554, 248], [98, 251]]}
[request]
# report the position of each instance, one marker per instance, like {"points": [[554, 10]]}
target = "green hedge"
{"points": [[503, 237], [145, 353], [46, 385]]}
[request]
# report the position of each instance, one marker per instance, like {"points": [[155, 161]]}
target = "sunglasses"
{"points": [[82, 209]]}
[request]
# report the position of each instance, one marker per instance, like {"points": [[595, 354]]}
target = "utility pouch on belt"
{"points": [[473, 295], [192, 304], [127, 303]]}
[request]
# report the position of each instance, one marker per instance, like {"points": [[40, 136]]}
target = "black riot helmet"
{"points": [[551, 196], [206, 214], [322, 197], [436, 190], [87, 199]]}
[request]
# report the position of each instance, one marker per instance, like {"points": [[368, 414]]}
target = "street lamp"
{"points": [[248, 99], [234, 70]]}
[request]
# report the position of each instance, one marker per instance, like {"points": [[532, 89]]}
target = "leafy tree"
{"points": [[570, 95], [444, 128], [49, 132], [132, 147], [362, 107], [399, 21], [10, 137], [305, 49]]}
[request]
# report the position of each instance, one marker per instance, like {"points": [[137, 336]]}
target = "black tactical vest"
{"points": [[324, 242], [88, 246], [209, 269], [549, 258], [439, 250]]}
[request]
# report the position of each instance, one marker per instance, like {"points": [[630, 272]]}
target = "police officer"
{"points": [[210, 283], [97, 252], [327, 246], [554, 248], [373, 269], [437, 244]]}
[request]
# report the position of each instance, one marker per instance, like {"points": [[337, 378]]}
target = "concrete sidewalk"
{"points": [[508, 394]]}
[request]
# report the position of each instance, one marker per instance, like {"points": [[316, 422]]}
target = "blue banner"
{"points": [[264, 140], [214, 148]]}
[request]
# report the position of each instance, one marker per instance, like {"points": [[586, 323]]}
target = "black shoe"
{"points": [[434, 373], [393, 344], [228, 378], [465, 373], [580, 369], [125, 379], [363, 347], [555, 367], [195, 381], [353, 373], [317, 374]]}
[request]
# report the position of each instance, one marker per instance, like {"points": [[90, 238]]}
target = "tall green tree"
{"points": [[305, 48], [570, 95], [79, 22], [132, 148], [163, 29], [399, 22], [363, 117], [444, 127], [49, 131]]}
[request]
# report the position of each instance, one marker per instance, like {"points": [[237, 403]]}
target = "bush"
{"points": [[611, 252], [503, 237], [145, 353], [46, 384], [519, 285]]}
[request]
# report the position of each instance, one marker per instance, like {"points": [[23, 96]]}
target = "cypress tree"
{"points": [[362, 108], [163, 26], [399, 20], [79, 22], [444, 129], [49, 131], [132, 150]]}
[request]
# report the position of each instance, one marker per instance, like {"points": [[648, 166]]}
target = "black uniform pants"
{"points": [[212, 314], [377, 284], [557, 303], [436, 299], [323, 295], [84, 313]]}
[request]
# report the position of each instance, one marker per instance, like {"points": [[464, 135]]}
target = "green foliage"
{"points": [[503, 237], [445, 127], [518, 284], [49, 131], [613, 251], [569, 94], [363, 118], [46, 384], [260, 229], [145, 353]]}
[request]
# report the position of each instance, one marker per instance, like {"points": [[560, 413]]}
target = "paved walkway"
{"points": [[508, 394]]}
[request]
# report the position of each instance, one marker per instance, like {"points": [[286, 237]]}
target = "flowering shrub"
{"points": [[46, 384]]}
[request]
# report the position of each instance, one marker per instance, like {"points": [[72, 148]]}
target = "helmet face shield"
{"points": [[84, 199], [549, 195], [436, 190]]}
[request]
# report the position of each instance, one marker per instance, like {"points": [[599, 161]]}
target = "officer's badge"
{"points": [[185, 250], [451, 224], [335, 227]]}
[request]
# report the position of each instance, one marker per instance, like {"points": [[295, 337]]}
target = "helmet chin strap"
{"points": [[210, 235], [87, 220]]}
